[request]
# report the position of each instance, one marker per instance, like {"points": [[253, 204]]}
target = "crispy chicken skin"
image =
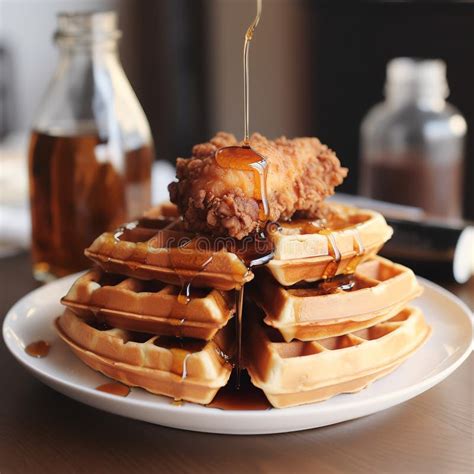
{"points": [[301, 173]]}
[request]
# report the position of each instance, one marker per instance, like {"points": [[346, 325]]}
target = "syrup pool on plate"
{"points": [[38, 349]]}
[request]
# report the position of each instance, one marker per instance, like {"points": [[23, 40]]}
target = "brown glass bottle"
{"points": [[91, 150]]}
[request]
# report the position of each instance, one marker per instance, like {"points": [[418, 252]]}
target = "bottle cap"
{"points": [[416, 78], [87, 26]]}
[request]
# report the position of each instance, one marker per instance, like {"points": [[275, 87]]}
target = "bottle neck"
{"points": [[94, 51], [425, 98], [83, 74]]}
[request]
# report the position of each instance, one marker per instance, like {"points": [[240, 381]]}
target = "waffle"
{"points": [[157, 247], [306, 250], [294, 373], [186, 369], [155, 314], [323, 309], [149, 306]]}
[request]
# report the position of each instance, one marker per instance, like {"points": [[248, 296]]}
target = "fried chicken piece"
{"points": [[301, 173]]}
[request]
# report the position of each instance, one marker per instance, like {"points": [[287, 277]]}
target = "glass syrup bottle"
{"points": [[91, 150], [412, 144]]}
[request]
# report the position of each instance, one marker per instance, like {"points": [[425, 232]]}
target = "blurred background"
{"points": [[317, 67]]}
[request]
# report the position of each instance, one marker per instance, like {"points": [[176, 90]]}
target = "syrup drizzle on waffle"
{"points": [[352, 265], [333, 250]]}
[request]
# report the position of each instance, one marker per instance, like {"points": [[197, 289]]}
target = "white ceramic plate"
{"points": [[32, 319]]}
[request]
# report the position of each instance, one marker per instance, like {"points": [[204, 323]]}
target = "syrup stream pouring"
{"points": [[245, 158]]}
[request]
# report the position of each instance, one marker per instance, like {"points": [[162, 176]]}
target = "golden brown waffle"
{"points": [[186, 369], [156, 247], [308, 250], [378, 290], [294, 373], [352, 336], [149, 306]]}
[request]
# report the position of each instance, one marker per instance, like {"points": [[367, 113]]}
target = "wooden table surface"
{"points": [[43, 431]]}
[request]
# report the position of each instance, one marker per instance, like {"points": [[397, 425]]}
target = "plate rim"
{"points": [[207, 412]]}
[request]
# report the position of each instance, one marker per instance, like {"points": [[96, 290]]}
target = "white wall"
{"points": [[26, 30]]}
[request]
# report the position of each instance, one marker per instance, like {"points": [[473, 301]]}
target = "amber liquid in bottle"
{"points": [[76, 193]]}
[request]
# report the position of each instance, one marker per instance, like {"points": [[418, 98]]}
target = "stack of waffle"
{"points": [[324, 316]]}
